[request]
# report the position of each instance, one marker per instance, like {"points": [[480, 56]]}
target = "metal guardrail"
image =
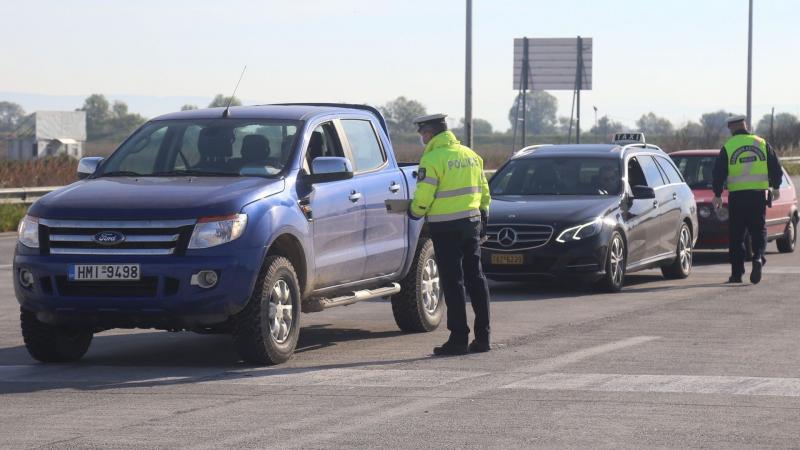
{"points": [[27, 195]]}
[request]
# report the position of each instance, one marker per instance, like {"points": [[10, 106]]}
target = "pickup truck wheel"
{"points": [[787, 241], [681, 267], [419, 304], [53, 343], [266, 331]]}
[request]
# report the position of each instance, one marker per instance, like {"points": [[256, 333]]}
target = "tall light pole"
{"points": [[750, 66], [468, 80]]}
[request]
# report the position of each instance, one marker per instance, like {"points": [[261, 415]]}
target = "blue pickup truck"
{"points": [[226, 221]]}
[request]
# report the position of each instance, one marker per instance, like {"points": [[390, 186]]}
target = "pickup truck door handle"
{"points": [[655, 203], [674, 195], [354, 196], [394, 187]]}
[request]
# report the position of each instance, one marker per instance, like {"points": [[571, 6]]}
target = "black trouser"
{"points": [[748, 214], [458, 255]]}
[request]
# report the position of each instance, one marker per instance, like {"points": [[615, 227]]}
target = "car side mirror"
{"points": [[643, 192], [325, 169], [88, 166]]}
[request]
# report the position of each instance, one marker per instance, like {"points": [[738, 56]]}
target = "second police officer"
{"points": [[750, 167], [453, 195]]}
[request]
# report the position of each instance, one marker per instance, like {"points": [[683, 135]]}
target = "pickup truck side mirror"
{"points": [[643, 192], [88, 166], [325, 169]]}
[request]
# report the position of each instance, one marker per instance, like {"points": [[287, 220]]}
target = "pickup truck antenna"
{"points": [[230, 99]]}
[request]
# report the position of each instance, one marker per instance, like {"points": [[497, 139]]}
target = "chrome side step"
{"points": [[317, 304]]}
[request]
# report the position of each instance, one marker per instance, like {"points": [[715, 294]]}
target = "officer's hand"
{"points": [[776, 193], [411, 216], [717, 202]]}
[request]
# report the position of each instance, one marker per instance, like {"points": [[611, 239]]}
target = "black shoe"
{"points": [[755, 275], [451, 348], [735, 279], [479, 346]]}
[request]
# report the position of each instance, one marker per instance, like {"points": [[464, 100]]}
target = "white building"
{"points": [[49, 133]]}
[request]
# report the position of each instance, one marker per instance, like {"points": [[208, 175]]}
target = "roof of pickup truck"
{"points": [[285, 112]]}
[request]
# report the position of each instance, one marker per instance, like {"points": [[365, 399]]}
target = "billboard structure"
{"points": [[551, 64]]}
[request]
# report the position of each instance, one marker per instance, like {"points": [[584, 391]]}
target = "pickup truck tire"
{"points": [[53, 343], [419, 306], [266, 330]]}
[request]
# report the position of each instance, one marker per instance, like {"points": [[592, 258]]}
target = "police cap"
{"points": [[432, 119], [735, 119]]}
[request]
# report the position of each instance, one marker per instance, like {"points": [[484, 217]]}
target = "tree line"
{"points": [[107, 120]]}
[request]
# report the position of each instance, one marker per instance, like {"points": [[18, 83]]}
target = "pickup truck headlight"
{"points": [[28, 231], [583, 231], [217, 230]]}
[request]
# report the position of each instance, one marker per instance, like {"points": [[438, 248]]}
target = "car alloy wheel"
{"points": [[617, 260], [431, 289], [685, 249], [280, 311]]}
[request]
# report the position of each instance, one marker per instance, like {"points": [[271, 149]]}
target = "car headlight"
{"points": [[704, 212], [217, 230], [28, 231], [583, 231]]}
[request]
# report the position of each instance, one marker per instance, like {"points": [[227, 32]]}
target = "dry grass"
{"points": [[57, 171], [10, 216]]}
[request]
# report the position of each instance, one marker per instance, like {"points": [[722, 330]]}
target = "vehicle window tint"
{"points": [[188, 156], [669, 169], [635, 173], [558, 176], [651, 172], [323, 142], [364, 144], [143, 153], [697, 171]]}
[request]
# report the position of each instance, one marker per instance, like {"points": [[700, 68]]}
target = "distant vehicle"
{"points": [[226, 221], [697, 167], [593, 212]]}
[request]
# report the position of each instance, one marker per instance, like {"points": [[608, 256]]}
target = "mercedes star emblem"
{"points": [[507, 237]]}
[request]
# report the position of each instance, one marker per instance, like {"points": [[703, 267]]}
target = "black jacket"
{"points": [[720, 174]]}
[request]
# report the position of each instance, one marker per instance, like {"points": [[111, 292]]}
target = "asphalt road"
{"points": [[690, 363]]}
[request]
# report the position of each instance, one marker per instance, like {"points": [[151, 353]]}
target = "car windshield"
{"points": [[204, 147], [559, 176], [696, 170]]}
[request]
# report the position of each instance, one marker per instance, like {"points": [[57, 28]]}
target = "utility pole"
{"points": [[750, 66], [772, 125], [468, 80]]}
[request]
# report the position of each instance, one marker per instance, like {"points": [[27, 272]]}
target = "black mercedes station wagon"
{"points": [[593, 212]]}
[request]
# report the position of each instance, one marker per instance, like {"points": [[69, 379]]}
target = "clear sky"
{"points": [[678, 58]]}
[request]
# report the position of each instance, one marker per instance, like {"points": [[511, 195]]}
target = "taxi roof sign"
{"points": [[628, 138]]}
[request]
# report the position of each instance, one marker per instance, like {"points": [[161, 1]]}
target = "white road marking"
{"points": [[391, 378], [550, 364], [726, 269], [683, 384]]}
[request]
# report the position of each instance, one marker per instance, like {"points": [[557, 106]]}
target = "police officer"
{"points": [[751, 169], [453, 195]]}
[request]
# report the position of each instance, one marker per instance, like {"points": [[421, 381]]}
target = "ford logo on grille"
{"points": [[109, 238]]}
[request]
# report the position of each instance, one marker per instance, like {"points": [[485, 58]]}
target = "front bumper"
{"points": [[584, 260], [163, 298]]}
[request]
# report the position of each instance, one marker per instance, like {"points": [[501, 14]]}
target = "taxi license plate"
{"points": [[104, 272], [501, 259]]}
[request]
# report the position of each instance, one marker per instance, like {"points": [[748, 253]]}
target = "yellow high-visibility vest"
{"points": [[451, 184], [748, 169]]}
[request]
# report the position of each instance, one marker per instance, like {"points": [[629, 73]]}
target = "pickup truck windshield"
{"points": [[205, 147], [558, 176]]}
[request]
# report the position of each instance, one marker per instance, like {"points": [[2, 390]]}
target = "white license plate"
{"points": [[94, 272]]}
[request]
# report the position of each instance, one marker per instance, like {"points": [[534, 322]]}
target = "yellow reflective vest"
{"points": [[451, 184], [747, 163]]}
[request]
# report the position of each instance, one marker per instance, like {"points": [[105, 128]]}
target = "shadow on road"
{"points": [[157, 358]]}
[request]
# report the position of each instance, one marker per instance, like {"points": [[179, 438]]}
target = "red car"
{"points": [[697, 167]]}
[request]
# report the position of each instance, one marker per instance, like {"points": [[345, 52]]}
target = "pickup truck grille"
{"points": [[514, 237], [140, 237]]}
